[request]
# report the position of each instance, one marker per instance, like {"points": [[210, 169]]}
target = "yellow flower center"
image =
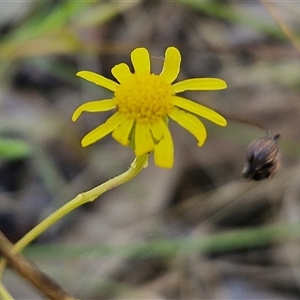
{"points": [[145, 98]]}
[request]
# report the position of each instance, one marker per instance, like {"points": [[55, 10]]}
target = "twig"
{"points": [[29, 272]]}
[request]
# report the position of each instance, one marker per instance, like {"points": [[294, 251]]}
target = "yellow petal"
{"points": [[164, 149], [157, 132], [199, 84], [143, 140], [199, 110], [98, 79], [190, 123], [141, 60], [122, 132], [171, 66], [121, 72], [102, 130], [93, 106]]}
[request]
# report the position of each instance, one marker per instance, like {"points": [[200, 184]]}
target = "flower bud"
{"points": [[262, 158]]}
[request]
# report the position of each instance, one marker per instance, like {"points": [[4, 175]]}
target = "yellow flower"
{"points": [[143, 102]]}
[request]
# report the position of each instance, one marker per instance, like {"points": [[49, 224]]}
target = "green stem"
{"points": [[79, 200], [4, 294]]}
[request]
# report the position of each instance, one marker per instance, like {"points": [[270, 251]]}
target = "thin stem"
{"points": [[79, 200], [246, 121]]}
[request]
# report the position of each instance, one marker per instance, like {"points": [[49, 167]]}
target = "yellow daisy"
{"points": [[143, 102]]}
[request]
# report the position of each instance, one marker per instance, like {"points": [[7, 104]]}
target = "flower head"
{"points": [[143, 102]]}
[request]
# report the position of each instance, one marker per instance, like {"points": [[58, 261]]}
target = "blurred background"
{"points": [[197, 231]]}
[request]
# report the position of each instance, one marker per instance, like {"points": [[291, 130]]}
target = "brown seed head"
{"points": [[262, 158]]}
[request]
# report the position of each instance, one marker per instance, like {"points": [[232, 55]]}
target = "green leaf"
{"points": [[12, 149]]}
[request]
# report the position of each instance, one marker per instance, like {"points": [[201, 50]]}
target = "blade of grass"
{"points": [[225, 12], [11, 149], [217, 242]]}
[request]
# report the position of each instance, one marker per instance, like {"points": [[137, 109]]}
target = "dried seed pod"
{"points": [[262, 158]]}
